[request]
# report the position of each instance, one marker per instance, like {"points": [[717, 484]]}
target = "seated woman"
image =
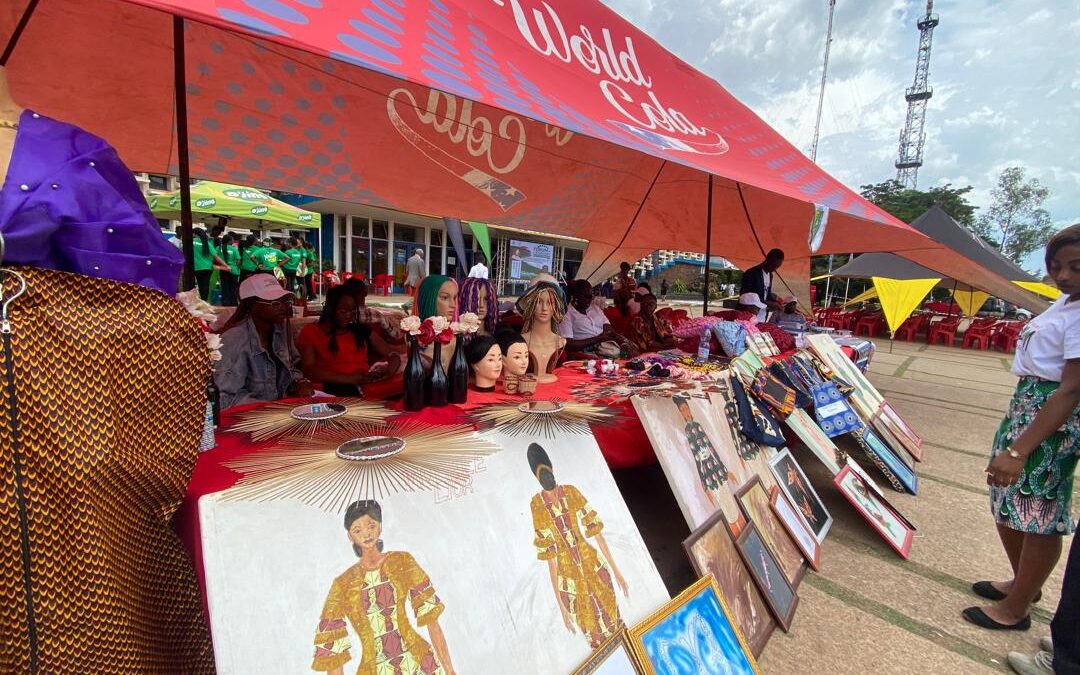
{"points": [[259, 361], [437, 295], [649, 332], [790, 313], [335, 350], [620, 314], [381, 322], [478, 296]]}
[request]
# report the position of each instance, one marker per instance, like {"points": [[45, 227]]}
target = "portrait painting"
{"points": [[766, 572], [699, 454], [754, 501], [536, 561], [796, 527], [794, 484], [615, 657], [711, 550], [886, 521], [694, 634]]}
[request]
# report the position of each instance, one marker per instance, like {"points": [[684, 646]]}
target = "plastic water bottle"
{"points": [[703, 345]]}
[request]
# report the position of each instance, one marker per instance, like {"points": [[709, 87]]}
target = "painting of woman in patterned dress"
{"points": [[371, 595], [711, 470], [582, 578]]}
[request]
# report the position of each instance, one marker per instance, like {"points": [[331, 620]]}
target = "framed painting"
{"points": [[614, 657], [793, 483], [711, 550], [886, 521], [693, 634], [754, 502], [766, 572], [890, 424], [904, 475], [796, 527], [857, 468], [812, 435]]}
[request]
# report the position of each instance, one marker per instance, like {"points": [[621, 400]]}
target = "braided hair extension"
{"points": [[469, 301], [526, 304]]}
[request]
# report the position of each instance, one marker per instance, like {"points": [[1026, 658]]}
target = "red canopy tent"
{"points": [[558, 117]]}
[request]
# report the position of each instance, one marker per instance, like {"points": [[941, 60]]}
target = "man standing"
{"points": [[759, 279], [415, 270], [479, 270], [663, 290], [294, 255]]}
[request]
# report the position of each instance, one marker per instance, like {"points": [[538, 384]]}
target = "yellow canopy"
{"points": [[1040, 288], [899, 298], [969, 302]]}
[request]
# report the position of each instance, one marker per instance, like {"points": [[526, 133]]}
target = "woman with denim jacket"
{"points": [[259, 361]]}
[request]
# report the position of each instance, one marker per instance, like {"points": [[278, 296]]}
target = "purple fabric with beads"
{"points": [[68, 203]]}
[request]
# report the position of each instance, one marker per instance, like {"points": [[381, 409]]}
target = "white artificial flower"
{"points": [[439, 323], [411, 325], [468, 322]]}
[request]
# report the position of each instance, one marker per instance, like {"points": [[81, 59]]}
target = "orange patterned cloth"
{"points": [[103, 398]]}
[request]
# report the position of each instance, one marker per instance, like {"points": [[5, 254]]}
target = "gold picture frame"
{"points": [[602, 654], [641, 640]]}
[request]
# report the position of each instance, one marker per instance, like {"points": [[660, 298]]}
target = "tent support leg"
{"points": [[180, 92], [708, 248]]}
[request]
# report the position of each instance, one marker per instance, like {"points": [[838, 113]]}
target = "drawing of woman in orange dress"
{"points": [[580, 576], [372, 595]]}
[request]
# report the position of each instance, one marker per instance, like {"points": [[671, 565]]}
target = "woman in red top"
{"points": [[334, 351]]}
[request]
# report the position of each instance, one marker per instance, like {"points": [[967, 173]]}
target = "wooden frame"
{"points": [[718, 523], [867, 502], [703, 585], [793, 549], [758, 562], [802, 535], [887, 417], [785, 456], [604, 652]]}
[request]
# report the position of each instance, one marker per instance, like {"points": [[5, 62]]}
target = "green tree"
{"points": [[907, 205], [1016, 221]]}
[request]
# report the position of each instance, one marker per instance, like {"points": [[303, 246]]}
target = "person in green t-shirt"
{"points": [[249, 251], [230, 280], [205, 262], [294, 254], [312, 269]]}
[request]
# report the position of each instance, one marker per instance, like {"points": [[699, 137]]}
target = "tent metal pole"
{"points": [[322, 280], [183, 160], [828, 284], [708, 248]]}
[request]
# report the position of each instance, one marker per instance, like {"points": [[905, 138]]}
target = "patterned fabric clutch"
{"points": [[772, 392], [783, 372], [755, 421], [833, 412]]}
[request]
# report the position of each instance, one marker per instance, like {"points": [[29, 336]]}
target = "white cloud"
{"points": [[1006, 85]]}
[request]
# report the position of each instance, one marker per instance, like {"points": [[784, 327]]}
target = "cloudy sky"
{"points": [[1005, 76]]}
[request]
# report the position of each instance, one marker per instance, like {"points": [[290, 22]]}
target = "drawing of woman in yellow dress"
{"points": [[372, 595], [580, 576]]}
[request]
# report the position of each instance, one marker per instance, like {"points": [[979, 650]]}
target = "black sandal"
{"points": [[978, 617], [985, 589]]}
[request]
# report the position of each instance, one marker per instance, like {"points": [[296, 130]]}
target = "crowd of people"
{"points": [[292, 261]]}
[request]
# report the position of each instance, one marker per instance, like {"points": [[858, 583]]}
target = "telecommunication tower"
{"points": [[912, 138]]}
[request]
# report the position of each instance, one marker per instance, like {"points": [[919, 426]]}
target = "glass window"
{"points": [[158, 182], [380, 229], [360, 227], [414, 235], [361, 255], [436, 237], [342, 253], [379, 253], [435, 260]]}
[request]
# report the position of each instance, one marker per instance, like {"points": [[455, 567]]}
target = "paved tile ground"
{"points": [[867, 610]]}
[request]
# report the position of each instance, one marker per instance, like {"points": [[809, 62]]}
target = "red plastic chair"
{"points": [[870, 325], [911, 327], [678, 316], [980, 331], [945, 330], [1006, 335], [383, 284]]}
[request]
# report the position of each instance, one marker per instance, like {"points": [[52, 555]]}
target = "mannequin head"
{"points": [[437, 296], [478, 296], [485, 358], [515, 353], [543, 307]]}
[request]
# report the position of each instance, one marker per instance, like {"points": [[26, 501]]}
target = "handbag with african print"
{"points": [[783, 372], [834, 414], [779, 397], [755, 421]]}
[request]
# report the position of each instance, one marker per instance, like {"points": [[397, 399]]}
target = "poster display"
{"points": [[529, 258]]}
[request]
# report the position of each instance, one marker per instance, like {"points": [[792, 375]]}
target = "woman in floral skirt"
{"points": [[1037, 447]]}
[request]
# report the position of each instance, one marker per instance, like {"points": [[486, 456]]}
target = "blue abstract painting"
{"points": [[697, 639]]}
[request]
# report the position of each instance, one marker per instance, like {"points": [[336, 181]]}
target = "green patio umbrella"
{"points": [[239, 206]]}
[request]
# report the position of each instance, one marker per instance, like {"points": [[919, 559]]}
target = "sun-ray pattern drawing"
{"points": [[543, 417], [276, 420]]}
